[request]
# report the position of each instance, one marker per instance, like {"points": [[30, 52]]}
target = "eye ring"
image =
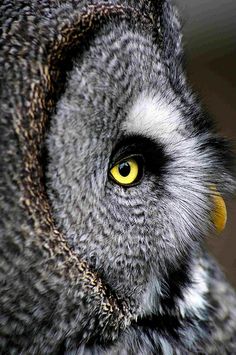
{"points": [[128, 171]]}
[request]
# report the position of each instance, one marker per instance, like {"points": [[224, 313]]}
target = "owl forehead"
{"points": [[121, 87]]}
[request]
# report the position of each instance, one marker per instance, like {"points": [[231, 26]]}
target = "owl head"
{"points": [[135, 166]]}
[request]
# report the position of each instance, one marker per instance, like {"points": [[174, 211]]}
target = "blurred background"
{"points": [[209, 28]]}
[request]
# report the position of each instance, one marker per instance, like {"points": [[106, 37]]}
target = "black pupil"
{"points": [[124, 169]]}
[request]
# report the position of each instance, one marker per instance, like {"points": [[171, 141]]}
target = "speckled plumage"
{"points": [[88, 266]]}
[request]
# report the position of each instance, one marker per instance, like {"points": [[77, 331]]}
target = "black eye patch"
{"points": [[153, 153]]}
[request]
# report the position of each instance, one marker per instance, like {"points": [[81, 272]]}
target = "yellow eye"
{"points": [[126, 172]]}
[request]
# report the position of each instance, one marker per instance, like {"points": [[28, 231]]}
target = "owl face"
{"points": [[131, 163]]}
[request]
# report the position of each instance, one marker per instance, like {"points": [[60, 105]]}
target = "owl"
{"points": [[122, 177]]}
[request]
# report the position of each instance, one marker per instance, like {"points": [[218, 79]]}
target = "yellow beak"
{"points": [[219, 213]]}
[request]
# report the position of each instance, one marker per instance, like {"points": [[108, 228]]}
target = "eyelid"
{"points": [[124, 157]]}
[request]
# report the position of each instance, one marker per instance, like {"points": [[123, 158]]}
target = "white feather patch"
{"points": [[154, 116], [195, 296]]}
